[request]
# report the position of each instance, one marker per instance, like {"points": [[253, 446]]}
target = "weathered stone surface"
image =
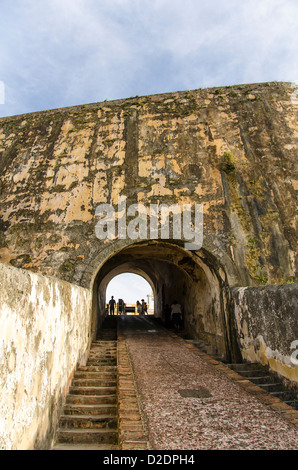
{"points": [[44, 325], [266, 319], [231, 149]]}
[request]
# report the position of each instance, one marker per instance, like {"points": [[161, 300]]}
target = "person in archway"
{"points": [[144, 307], [139, 308], [121, 306], [112, 303], [176, 315]]}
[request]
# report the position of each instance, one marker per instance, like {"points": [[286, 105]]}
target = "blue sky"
{"points": [[57, 53]]}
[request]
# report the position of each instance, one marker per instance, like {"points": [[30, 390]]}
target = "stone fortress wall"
{"points": [[231, 149]]}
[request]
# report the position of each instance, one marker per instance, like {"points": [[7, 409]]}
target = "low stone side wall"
{"points": [[267, 325], [44, 334]]}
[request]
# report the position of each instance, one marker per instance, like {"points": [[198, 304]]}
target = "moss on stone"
{"points": [[73, 185], [227, 163], [67, 266], [60, 188]]}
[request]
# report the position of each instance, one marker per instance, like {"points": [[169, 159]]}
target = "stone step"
{"points": [[108, 368], [83, 375], [87, 421], [251, 373], [102, 361], [292, 403], [108, 337], [104, 366], [90, 382], [101, 364], [103, 343], [85, 446], [248, 366], [278, 394], [91, 399], [104, 347], [103, 350], [263, 379], [92, 390], [102, 355], [88, 409], [93, 368], [78, 436], [203, 346], [272, 387]]}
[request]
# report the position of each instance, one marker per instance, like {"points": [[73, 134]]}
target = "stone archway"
{"points": [[195, 279]]}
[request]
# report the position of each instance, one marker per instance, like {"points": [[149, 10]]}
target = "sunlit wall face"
{"points": [[130, 288]]}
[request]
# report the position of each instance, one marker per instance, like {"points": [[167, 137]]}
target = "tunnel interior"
{"points": [[195, 280]]}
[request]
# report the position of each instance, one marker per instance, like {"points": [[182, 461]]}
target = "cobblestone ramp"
{"points": [[190, 401]]}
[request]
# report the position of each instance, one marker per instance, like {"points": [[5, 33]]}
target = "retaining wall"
{"points": [[44, 334], [266, 323]]}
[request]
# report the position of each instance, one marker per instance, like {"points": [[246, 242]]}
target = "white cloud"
{"points": [[57, 53]]}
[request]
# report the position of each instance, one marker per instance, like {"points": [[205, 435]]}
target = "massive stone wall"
{"points": [[232, 149], [45, 334], [267, 327]]}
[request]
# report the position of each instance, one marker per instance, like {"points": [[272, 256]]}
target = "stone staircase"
{"points": [[89, 419], [263, 378], [254, 372], [204, 346]]}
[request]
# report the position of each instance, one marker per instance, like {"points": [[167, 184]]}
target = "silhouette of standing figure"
{"points": [[112, 303]]}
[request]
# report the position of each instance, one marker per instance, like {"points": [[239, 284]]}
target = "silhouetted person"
{"points": [[176, 315], [144, 307], [112, 303], [121, 306], [139, 308]]}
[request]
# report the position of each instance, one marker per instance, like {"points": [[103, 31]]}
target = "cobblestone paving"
{"points": [[221, 415]]}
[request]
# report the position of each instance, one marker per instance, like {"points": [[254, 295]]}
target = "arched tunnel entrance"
{"points": [[195, 280]]}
